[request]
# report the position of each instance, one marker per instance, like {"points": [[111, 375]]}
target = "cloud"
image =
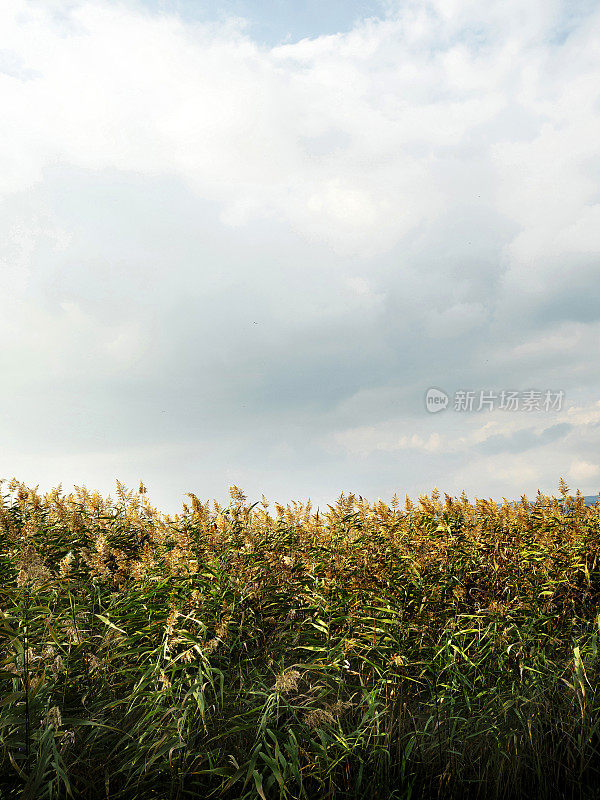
{"points": [[364, 441], [583, 470], [456, 320], [495, 436], [270, 252], [523, 440]]}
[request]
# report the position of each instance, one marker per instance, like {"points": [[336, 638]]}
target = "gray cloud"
{"points": [[523, 440]]}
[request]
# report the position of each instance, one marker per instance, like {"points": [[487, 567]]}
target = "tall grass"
{"points": [[441, 649]]}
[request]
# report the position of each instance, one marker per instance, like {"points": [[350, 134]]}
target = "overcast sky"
{"points": [[239, 241]]}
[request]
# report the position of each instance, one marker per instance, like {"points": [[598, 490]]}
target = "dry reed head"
{"points": [[64, 567], [54, 718], [58, 665], [287, 681], [319, 717], [32, 570]]}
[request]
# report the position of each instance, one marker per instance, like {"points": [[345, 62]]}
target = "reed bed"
{"points": [[418, 650]]}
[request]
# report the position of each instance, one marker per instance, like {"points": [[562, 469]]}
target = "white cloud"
{"points": [[116, 88], [70, 341], [364, 293], [465, 432], [456, 320], [584, 415], [583, 470], [566, 341], [368, 439], [504, 476]]}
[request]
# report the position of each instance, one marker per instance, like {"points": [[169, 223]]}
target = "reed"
{"points": [[442, 648]]}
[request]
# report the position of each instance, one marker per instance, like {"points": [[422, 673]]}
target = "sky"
{"points": [[240, 241]]}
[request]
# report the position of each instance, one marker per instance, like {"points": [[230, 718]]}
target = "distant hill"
{"points": [[589, 499]]}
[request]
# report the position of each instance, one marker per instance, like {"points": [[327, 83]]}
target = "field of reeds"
{"points": [[435, 649]]}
